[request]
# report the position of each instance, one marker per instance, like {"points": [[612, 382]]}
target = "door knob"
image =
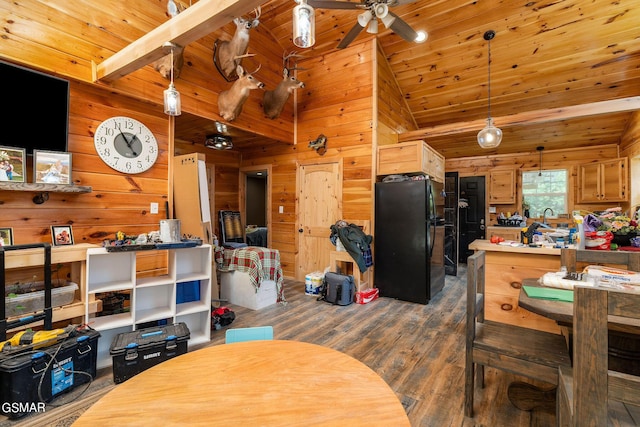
{"points": [[300, 230]]}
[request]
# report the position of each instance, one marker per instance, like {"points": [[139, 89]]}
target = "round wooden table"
{"points": [[265, 383]]}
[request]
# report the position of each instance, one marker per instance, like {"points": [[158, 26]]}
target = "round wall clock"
{"points": [[126, 145]]}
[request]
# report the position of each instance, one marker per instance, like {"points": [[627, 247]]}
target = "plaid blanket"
{"points": [[260, 263]]}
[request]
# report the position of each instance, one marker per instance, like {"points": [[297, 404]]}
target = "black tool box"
{"points": [[28, 378], [134, 352]]}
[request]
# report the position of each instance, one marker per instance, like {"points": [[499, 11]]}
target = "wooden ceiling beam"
{"points": [[195, 22], [528, 118]]}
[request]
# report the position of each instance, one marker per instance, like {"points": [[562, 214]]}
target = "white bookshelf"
{"points": [[151, 298]]}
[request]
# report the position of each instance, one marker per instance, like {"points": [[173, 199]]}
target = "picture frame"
{"points": [[51, 167], [61, 235], [6, 236], [13, 165]]}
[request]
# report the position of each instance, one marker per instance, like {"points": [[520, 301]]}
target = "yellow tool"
{"points": [[35, 339]]}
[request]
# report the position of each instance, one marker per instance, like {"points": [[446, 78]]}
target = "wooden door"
{"points": [[319, 207]]}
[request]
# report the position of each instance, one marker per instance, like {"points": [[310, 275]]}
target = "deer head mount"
{"points": [[230, 101], [274, 100], [163, 65], [227, 54]]}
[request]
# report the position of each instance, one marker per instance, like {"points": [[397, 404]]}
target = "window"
{"points": [[545, 189]]}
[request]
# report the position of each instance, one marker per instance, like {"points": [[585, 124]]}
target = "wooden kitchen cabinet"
{"points": [[502, 187], [604, 181], [411, 157]]}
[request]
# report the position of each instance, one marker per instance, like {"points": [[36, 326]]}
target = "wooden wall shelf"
{"points": [[53, 188]]}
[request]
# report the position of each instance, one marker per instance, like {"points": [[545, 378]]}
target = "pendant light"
{"points": [[490, 136], [304, 25], [540, 149], [171, 95]]}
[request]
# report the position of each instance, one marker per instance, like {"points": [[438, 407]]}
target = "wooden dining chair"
{"points": [[572, 258], [590, 394], [521, 351]]}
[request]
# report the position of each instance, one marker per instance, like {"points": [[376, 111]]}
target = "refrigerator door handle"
{"points": [[432, 216]]}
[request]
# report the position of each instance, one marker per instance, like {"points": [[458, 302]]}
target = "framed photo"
{"points": [[51, 167], [61, 235], [6, 236], [12, 164]]}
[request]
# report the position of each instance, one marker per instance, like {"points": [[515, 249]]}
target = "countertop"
{"points": [[486, 245]]}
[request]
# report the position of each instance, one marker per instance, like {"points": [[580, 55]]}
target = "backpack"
{"points": [[337, 289]]}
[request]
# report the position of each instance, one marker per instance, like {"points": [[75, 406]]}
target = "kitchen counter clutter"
{"points": [[515, 247]]}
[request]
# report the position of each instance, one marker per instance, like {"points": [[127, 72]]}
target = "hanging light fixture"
{"points": [[540, 149], [490, 136], [304, 24], [171, 95], [218, 142]]}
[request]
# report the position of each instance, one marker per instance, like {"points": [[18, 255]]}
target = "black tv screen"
{"points": [[35, 111]]}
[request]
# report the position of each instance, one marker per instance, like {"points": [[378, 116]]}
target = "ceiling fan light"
{"points": [[387, 20], [304, 25], [381, 10], [421, 37], [364, 18], [373, 27], [490, 136]]}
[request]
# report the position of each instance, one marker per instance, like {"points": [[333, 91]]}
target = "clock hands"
{"points": [[126, 140]]}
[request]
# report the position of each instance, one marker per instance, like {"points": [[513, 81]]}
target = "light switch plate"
{"points": [[154, 208], [280, 209], [492, 209]]}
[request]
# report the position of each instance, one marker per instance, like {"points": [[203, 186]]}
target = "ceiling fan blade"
{"points": [[401, 2], [403, 29], [352, 34], [329, 4]]}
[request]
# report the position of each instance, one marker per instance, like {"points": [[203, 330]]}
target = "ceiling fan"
{"points": [[373, 10]]}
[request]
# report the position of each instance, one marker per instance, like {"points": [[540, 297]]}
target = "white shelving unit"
{"points": [[151, 298]]}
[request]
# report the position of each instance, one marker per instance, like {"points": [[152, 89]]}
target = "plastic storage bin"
{"points": [[29, 302], [134, 352]]}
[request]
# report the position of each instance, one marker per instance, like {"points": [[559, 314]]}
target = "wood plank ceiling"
{"points": [[564, 74]]}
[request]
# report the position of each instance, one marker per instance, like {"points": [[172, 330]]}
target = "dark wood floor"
{"points": [[417, 349]]}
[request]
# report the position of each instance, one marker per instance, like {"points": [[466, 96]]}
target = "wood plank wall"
{"points": [[64, 38]]}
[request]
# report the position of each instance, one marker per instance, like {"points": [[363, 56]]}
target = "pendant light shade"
{"points": [[172, 105], [304, 25], [490, 136]]}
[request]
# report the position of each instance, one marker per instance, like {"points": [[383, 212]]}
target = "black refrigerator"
{"points": [[409, 240]]}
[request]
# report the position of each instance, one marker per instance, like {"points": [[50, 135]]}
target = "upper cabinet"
{"points": [[604, 181], [410, 157], [502, 187]]}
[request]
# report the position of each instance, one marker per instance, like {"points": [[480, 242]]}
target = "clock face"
{"points": [[126, 145]]}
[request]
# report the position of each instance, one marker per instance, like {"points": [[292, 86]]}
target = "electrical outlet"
{"points": [[154, 208], [280, 209]]}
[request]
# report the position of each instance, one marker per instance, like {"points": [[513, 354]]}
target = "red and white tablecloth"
{"points": [[260, 263]]}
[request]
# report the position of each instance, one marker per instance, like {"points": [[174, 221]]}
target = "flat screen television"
{"points": [[35, 110]]}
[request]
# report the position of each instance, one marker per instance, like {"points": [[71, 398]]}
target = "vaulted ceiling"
{"points": [[564, 74]]}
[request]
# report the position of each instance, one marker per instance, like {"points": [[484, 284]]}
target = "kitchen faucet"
{"points": [[544, 215]]}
